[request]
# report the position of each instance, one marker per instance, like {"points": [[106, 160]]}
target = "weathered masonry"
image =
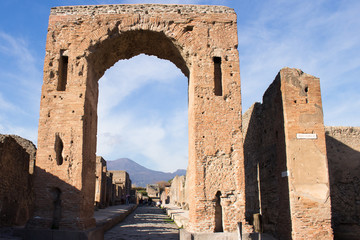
{"points": [[82, 43], [284, 174], [286, 169], [17, 158], [343, 151]]}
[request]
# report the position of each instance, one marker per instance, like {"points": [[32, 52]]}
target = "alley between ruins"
{"points": [[145, 222]]}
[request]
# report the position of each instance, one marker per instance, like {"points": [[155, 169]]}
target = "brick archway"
{"points": [[83, 42]]}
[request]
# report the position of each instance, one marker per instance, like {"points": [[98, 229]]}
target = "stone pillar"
{"points": [[100, 185], [215, 136], [65, 169], [307, 169]]}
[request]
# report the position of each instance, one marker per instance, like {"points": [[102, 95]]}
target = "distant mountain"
{"points": [[139, 175]]}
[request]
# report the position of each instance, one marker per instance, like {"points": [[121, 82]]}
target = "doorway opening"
{"points": [[218, 213], [56, 197]]}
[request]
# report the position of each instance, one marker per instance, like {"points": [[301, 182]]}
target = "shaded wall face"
{"points": [[343, 151], [16, 193], [265, 159]]}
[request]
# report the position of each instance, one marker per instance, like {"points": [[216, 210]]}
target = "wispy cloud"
{"points": [[316, 36], [19, 87], [134, 119], [5, 105]]}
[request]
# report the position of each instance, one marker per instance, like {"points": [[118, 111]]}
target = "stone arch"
{"points": [[131, 43], [83, 41]]}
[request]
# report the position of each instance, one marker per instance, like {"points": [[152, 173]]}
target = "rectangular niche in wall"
{"points": [[63, 68], [217, 76]]}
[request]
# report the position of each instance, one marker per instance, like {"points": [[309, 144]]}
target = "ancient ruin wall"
{"points": [[306, 156], [16, 193], [82, 43], [178, 192], [343, 151], [100, 182], [285, 159], [122, 183], [265, 160]]}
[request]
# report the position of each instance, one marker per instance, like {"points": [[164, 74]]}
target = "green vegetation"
{"points": [[141, 190], [169, 220]]}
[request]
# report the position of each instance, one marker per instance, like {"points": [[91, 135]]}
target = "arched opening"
{"points": [[142, 114], [131, 43], [218, 213], [123, 48]]}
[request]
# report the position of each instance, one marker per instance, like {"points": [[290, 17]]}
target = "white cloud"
{"points": [[20, 87], [5, 105], [148, 140], [135, 121], [125, 77], [313, 36]]}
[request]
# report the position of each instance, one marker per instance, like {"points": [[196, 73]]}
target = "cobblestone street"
{"points": [[144, 223]]}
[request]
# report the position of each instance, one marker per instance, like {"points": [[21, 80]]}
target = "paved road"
{"points": [[144, 223]]}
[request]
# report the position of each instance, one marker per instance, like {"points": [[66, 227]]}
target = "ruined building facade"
{"points": [[279, 167], [101, 187], [153, 191], [343, 152], [111, 187], [298, 194], [178, 192], [122, 186], [286, 170], [17, 159], [82, 43]]}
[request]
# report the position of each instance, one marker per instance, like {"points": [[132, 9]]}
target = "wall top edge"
{"points": [[139, 9]]}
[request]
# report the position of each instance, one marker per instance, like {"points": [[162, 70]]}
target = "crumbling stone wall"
{"points": [[178, 192], [82, 43], [100, 183], [343, 151], [17, 156], [153, 190], [265, 160], [110, 190], [122, 183], [165, 195], [285, 159]]}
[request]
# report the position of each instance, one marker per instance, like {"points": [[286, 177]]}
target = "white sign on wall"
{"points": [[306, 136]]}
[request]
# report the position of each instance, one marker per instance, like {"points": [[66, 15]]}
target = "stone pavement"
{"points": [[108, 217], [105, 219], [146, 222]]}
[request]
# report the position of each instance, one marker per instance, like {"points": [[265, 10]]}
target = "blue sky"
{"points": [[143, 114]]}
